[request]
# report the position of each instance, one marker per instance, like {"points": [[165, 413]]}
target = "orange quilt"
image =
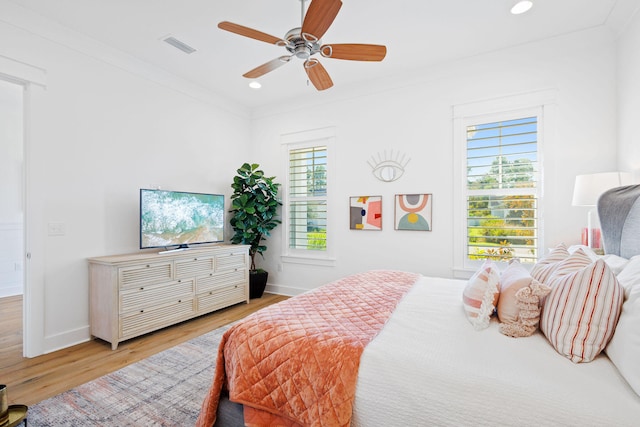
{"points": [[296, 362]]}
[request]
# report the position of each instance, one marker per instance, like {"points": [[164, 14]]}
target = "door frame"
{"points": [[33, 81]]}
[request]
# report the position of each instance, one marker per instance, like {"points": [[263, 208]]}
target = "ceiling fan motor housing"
{"points": [[301, 45]]}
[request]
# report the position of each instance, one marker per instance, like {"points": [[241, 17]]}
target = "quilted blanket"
{"points": [[296, 362]]}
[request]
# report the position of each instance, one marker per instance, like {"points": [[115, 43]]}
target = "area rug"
{"points": [[165, 389]]}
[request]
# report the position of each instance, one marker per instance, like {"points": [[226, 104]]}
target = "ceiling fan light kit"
{"points": [[304, 42]]}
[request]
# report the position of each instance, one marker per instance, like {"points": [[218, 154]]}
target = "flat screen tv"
{"points": [[180, 219]]}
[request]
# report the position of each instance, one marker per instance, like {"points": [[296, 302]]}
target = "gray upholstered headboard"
{"points": [[619, 212]]}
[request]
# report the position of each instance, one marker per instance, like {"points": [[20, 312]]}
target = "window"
{"points": [[306, 205], [498, 175], [502, 190], [308, 198]]}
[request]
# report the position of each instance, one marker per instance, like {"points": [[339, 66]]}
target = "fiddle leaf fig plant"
{"points": [[254, 206]]}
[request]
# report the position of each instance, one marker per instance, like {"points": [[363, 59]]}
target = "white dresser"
{"points": [[134, 294]]}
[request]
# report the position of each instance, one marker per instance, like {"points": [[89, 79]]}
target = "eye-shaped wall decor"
{"points": [[387, 167]]}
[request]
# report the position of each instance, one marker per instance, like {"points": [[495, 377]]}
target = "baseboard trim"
{"points": [[284, 290], [66, 339]]}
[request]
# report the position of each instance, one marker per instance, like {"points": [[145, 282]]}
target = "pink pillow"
{"points": [[512, 279], [580, 314], [480, 296]]}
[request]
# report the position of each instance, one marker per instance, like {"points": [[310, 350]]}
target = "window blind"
{"points": [[502, 190], [308, 198]]}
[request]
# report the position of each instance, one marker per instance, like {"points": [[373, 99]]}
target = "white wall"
{"points": [[629, 98], [98, 133], [414, 116]]}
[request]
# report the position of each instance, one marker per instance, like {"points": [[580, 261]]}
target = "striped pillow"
{"points": [[581, 312], [546, 265], [573, 262], [480, 296]]}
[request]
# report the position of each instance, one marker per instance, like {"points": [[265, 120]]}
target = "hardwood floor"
{"points": [[10, 331], [31, 380]]}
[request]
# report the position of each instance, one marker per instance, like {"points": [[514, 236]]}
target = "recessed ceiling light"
{"points": [[255, 85], [521, 7]]}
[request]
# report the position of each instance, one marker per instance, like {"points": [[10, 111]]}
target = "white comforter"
{"points": [[429, 367]]}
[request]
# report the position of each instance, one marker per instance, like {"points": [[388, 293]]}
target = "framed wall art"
{"points": [[365, 213], [413, 212]]}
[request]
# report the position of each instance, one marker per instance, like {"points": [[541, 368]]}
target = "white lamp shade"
{"points": [[588, 188]]}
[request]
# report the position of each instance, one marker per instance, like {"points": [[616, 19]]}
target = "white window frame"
{"points": [[539, 104], [300, 140]]}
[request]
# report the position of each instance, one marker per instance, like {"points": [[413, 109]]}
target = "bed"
{"points": [[397, 348]]}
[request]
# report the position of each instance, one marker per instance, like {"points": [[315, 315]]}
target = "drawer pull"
{"points": [[142, 289], [180, 281], [210, 293], [210, 274], [148, 265], [141, 311], [179, 300], [236, 286]]}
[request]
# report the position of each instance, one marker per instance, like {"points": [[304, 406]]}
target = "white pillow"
{"points": [[624, 347], [616, 263], [629, 277]]}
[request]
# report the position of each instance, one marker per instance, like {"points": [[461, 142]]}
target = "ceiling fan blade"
{"points": [[250, 32], [354, 51], [266, 67], [320, 16], [317, 74]]}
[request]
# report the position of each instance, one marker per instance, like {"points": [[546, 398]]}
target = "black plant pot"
{"points": [[257, 283]]}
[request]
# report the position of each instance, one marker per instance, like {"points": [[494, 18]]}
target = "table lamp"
{"points": [[588, 189]]}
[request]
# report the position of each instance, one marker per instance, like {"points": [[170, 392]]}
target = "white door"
{"points": [[11, 191]]}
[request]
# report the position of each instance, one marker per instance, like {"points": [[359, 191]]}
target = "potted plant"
{"points": [[253, 215]]}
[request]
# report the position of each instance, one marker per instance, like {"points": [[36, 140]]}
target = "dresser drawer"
{"points": [[152, 295], [231, 260], [220, 298], [196, 266], [219, 280], [147, 320], [145, 273]]}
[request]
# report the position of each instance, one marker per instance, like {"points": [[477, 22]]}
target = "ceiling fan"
{"points": [[304, 42]]}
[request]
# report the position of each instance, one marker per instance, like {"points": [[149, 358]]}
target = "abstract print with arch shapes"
{"points": [[365, 213], [413, 212]]}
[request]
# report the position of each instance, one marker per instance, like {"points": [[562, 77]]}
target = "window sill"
{"points": [[308, 260]]}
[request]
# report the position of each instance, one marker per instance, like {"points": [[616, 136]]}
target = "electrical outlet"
{"points": [[56, 229]]}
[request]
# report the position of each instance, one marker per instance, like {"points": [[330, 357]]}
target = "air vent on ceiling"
{"points": [[178, 44]]}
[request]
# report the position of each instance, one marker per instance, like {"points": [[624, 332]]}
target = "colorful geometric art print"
{"points": [[413, 212], [365, 213]]}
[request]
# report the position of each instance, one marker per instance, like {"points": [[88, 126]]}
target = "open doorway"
{"points": [[12, 277]]}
